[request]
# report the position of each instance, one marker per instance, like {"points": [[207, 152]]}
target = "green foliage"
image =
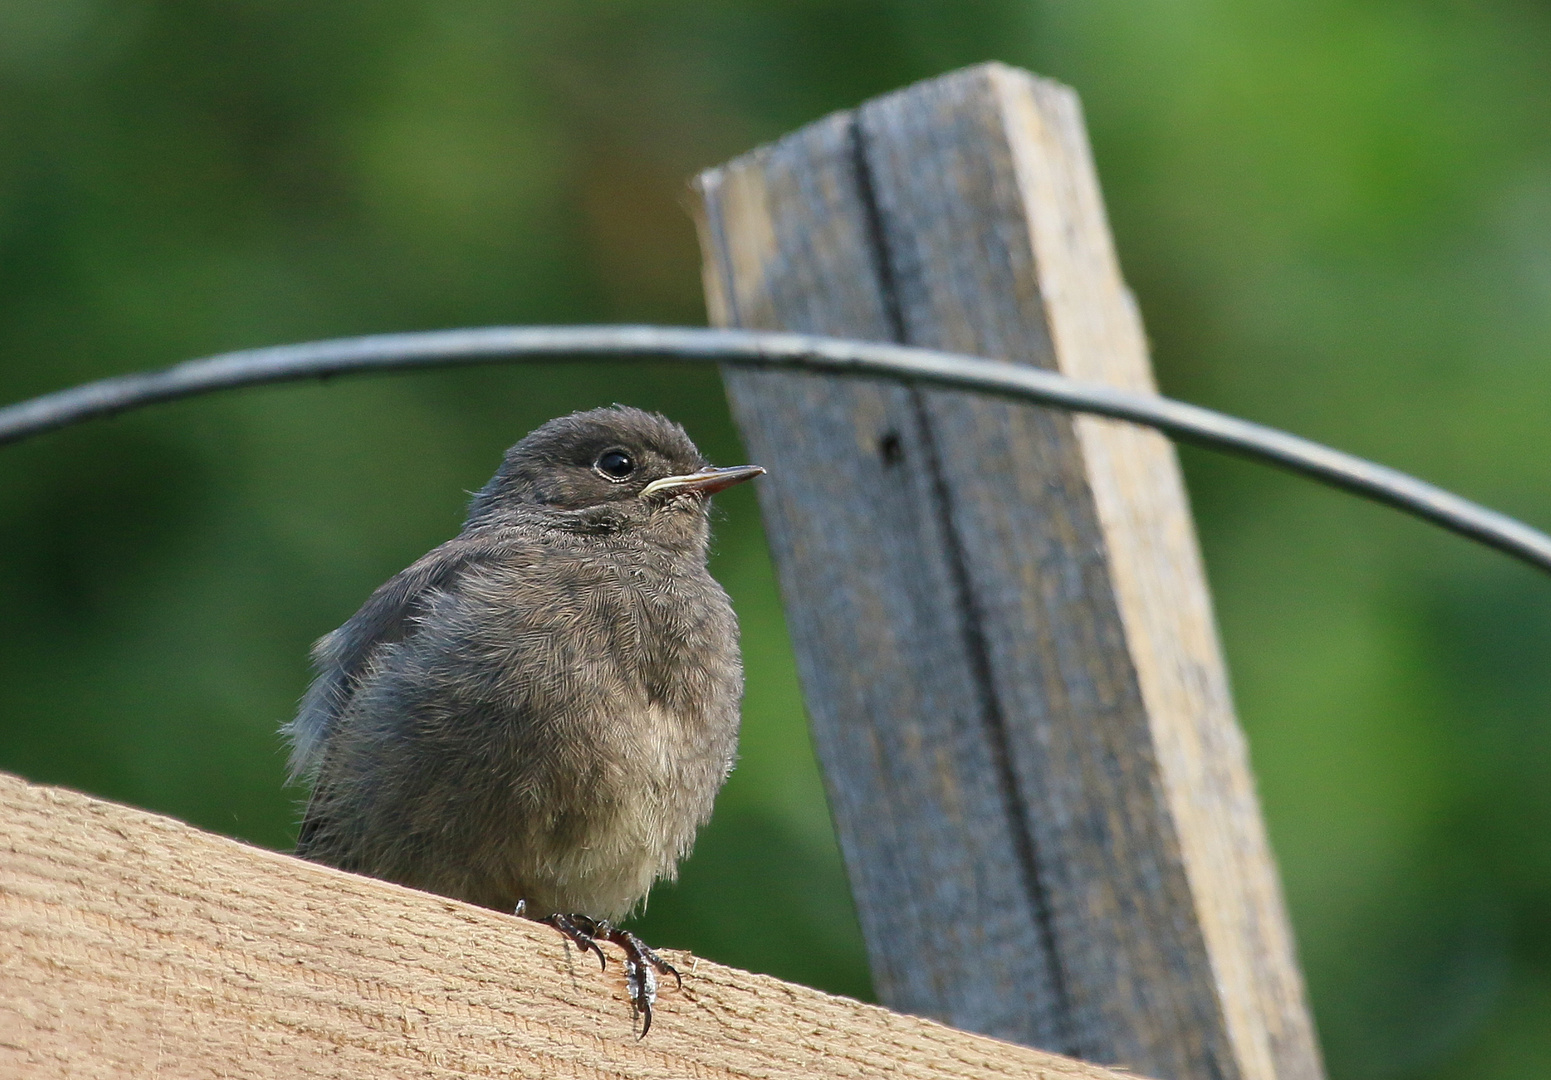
{"points": [[1337, 217]]}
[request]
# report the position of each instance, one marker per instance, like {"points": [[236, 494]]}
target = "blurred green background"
{"points": [[1337, 217]]}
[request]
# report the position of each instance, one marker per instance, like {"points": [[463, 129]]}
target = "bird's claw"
{"points": [[642, 964], [581, 930]]}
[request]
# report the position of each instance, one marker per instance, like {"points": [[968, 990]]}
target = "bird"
{"points": [[536, 716]]}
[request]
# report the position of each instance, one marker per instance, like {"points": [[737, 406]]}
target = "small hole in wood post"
{"points": [[891, 448]]}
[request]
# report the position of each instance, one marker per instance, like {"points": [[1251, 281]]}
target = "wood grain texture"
{"points": [[1000, 615], [132, 945]]}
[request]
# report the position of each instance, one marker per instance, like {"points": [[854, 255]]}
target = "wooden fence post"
{"points": [[1000, 616]]}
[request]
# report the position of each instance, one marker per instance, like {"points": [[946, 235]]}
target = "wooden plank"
{"points": [[133, 945], [1000, 616]]}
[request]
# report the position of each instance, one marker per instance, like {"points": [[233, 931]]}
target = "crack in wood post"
{"points": [[971, 625]]}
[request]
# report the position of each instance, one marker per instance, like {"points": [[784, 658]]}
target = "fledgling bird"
{"points": [[537, 715]]}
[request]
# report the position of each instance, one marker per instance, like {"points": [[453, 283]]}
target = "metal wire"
{"points": [[744, 348]]}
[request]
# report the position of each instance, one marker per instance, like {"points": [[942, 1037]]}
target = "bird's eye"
{"points": [[615, 464]]}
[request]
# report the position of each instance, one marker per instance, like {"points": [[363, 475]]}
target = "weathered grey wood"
{"points": [[999, 612]]}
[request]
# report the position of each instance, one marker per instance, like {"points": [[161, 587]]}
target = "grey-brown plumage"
{"points": [[541, 710]]}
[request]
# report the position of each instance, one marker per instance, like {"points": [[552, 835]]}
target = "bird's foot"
{"points": [[642, 964]]}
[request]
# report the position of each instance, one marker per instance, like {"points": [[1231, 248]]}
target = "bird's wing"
{"points": [[342, 658]]}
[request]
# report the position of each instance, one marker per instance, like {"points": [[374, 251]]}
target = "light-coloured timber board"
{"points": [[132, 945]]}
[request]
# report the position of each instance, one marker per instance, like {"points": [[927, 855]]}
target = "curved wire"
{"points": [[746, 348]]}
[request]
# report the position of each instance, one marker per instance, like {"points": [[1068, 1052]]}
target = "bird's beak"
{"points": [[707, 481]]}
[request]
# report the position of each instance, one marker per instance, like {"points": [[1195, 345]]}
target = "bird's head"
{"points": [[614, 466]]}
